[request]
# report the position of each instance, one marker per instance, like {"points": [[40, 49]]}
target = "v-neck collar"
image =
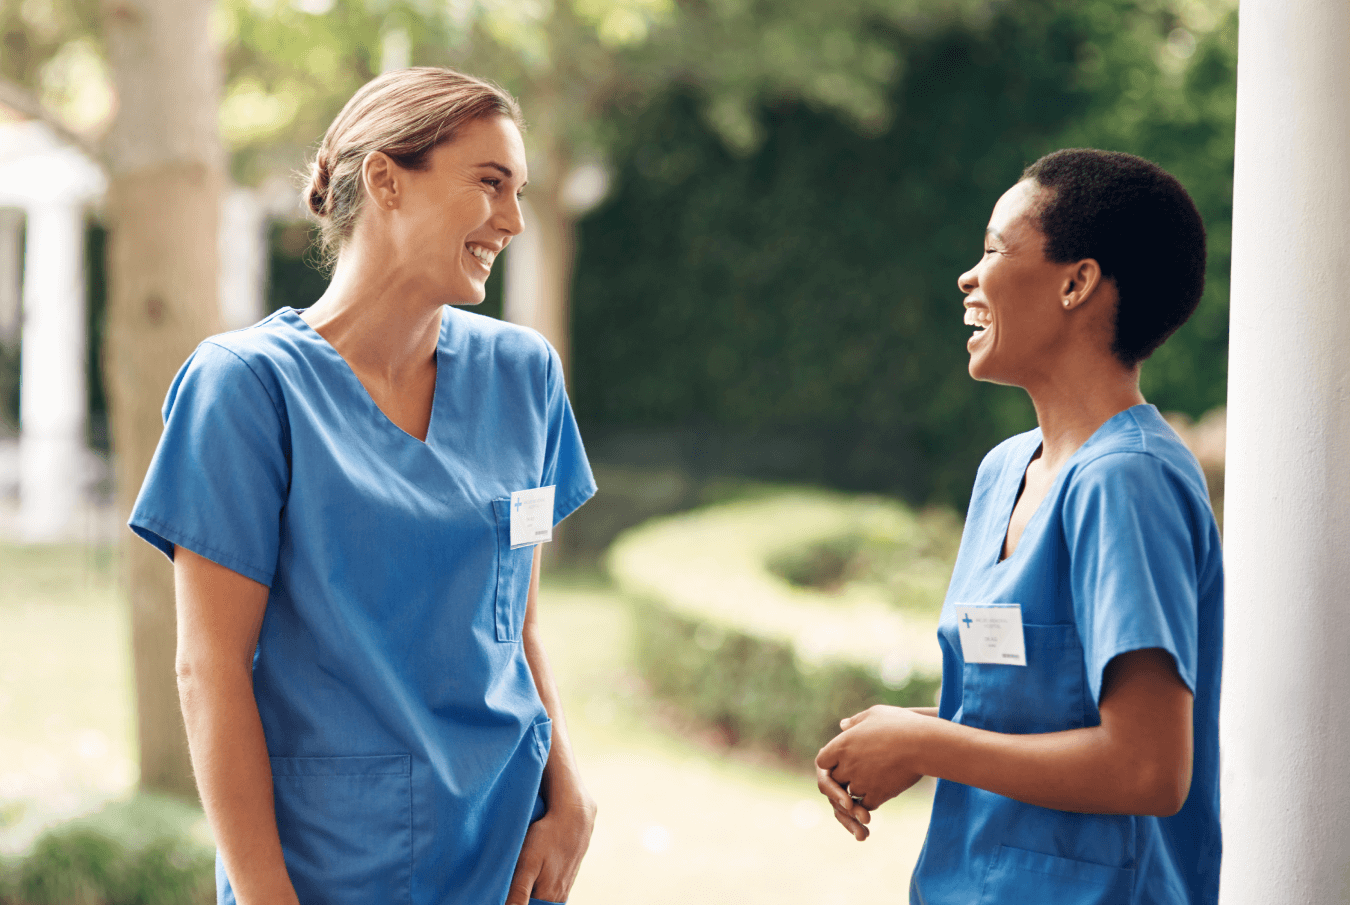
{"points": [[358, 388], [1025, 459]]}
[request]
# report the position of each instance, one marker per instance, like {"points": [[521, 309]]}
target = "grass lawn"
{"points": [[680, 820]]}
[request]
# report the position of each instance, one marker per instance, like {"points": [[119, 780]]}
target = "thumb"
{"points": [[849, 722]]}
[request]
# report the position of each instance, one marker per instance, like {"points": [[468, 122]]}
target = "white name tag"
{"points": [[991, 633], [531, 517]]}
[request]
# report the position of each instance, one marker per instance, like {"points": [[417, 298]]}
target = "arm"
{"points": [[219, 616], [1137, 761], [556, 843]]}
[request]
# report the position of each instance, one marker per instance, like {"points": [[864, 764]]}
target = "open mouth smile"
{"points": [[486, 255], [980, 318]]}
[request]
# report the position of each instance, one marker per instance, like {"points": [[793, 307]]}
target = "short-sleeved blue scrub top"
{"points": [[406, 735], [1122, 554]]}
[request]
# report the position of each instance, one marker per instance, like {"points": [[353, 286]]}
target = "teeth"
{"points": [[482, 254], [978, 317]]}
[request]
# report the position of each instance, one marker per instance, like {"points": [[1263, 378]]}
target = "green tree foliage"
{"points": [[807, 292]]}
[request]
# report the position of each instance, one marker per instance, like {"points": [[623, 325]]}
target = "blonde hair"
{"points": [[405, 113]]}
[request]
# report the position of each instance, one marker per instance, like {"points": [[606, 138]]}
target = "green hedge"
{"points": [[148, 850], [723, 635]]}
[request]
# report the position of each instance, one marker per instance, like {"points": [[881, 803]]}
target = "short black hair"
{"points": [[1138, 222]]}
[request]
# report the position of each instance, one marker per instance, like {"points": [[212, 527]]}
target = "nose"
{"points": [[510, 217], [967, 281]]}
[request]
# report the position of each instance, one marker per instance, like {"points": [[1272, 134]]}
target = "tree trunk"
{"points": [[557, 256], [165, 177]]}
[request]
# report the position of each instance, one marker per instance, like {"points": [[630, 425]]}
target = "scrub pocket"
{"points": [[346, 827], [1018, 875], [1046, 695], [513, 576]]}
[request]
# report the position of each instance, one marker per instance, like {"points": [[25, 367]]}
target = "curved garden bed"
{"points": [[730, 628]]}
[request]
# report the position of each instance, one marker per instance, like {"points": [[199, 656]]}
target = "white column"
{"points": [[243, 258], [52, 369], [523, 273], [1285, 718]]}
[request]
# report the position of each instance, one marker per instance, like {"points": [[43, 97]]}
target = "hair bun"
{"points": [[318, 195]]}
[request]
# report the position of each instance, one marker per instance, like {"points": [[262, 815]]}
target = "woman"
{"points": [[343, 492], [1076, 737]]}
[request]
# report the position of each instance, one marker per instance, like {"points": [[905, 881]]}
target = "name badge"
{"points": [[531, 517], [991, 633]]}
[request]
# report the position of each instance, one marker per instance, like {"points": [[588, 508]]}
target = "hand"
{"points": [[851, 815], [869, 758], [552, 853]]}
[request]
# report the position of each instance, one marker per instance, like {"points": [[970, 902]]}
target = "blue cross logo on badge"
{"points": [[967, 620], [518, 504]]}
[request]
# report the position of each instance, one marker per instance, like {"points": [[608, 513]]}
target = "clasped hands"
{"points": [[869, 763]]}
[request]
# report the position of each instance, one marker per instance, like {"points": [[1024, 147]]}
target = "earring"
{"points": [[1067, 303]]}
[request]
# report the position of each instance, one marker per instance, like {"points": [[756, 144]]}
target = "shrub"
{"points": [[722, 633], [143, 851]]}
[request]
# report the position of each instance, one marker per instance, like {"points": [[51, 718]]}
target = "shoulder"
{"points": [[505, 346], [504, 337], [1137, 450], [240, 365]]}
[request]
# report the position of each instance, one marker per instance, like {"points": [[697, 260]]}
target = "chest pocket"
{"points": [[1046, 695], [513, 576]]}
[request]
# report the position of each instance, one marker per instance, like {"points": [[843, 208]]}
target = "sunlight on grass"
{"points": [[67, 733], [679, 822]]}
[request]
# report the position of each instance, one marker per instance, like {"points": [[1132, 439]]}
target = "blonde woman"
{"points": [[352, 496]]}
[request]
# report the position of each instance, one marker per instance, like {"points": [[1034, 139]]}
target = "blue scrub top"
{"points": [[1122, 554], [406, 735]]}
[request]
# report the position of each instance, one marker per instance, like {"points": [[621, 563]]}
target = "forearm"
{"points": [[561, 775], [234, 777], [1085, 770]]}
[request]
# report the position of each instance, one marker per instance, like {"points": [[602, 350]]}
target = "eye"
{"points": [[492, 181]]}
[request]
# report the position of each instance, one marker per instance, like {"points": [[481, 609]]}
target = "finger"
{"points": [[849, 722], [832, 789], [861, 812], [522, 883], [853, 811], [859, 831]]}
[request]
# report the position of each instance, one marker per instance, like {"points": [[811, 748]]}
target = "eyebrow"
{"points": [[505, 171], [990, 231]]}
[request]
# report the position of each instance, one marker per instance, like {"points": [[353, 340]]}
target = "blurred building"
{"points": [[49, 190]]}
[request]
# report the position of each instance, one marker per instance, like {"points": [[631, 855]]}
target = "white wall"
{"points": [[1286, 717]]}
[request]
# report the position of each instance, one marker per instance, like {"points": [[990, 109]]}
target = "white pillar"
{"points": [[523, 273], [1285, 725], [243, 258], [52, 371]]}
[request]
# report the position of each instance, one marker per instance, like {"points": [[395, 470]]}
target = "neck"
{"points": [[377, 324], [1074, 402]]}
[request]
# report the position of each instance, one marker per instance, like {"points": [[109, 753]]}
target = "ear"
{"points": [[379, 177], [1080, 283]]}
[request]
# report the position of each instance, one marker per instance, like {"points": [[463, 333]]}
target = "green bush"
{"points": [[148, 850], [725, 636]]}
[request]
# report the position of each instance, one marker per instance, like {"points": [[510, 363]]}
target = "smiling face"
{"points": [[1015, 297], [448, 222]]}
